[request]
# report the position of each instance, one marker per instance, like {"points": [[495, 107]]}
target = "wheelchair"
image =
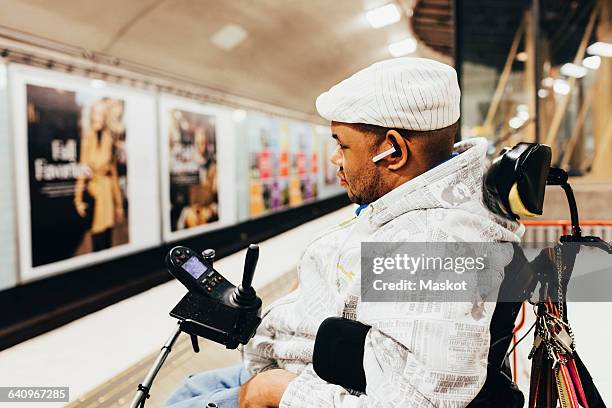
{"points": [[513, 187]]}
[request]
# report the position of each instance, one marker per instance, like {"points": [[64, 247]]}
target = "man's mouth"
{"points": [[341, 178]]}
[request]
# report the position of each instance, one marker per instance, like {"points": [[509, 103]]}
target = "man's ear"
{"points": [[402, 150]]}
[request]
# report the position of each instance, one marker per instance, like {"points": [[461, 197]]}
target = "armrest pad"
{"points": [[338, 352]]}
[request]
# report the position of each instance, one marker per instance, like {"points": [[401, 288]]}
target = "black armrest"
{"points": [[338, 352]]}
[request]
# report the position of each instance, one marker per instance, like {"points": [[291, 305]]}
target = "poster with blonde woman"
{"points": [[193, 169], [101, 156], [78, 173]]}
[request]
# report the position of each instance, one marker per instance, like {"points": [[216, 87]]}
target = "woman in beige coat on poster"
{"points": [[102, 182]]}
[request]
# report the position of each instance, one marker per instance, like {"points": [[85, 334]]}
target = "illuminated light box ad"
{"points": [[85, 152], [197, 185], [327, 178], [304, 167], [268, 161], [282, 163]]}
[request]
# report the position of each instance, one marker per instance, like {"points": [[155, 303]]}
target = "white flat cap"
{"points": [[402, 93]]}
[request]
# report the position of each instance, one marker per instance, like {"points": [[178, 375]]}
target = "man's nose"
{"points": [[336, 158]]}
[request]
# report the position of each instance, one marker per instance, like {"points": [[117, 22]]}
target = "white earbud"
{"points": [[384, 154]]}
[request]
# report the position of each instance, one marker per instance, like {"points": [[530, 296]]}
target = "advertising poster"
{"points": [[328, 180], [266, 191], [192, 139], [84, 154], [304, 164], [330, 177], [198, 166], [288, 163], [77, 173]]}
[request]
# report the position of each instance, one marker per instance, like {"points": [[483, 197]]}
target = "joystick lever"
{"points": [[244, 295]]}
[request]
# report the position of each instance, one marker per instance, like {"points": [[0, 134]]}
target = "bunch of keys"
{"points": [[556, 379], [554, 334]]}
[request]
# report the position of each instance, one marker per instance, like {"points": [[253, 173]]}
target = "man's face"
{"points": [[359, 176]]}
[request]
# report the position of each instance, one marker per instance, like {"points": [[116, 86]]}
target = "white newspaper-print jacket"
{"points": [[416, 354]]}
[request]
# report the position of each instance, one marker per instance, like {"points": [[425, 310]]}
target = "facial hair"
{"points": [[365, 187]]}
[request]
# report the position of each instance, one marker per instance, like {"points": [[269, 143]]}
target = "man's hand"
{"points": [[264, 389]]}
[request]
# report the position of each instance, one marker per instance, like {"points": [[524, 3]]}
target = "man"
{"points": [[395, 124]]}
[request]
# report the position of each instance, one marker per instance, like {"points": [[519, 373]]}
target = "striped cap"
{"points": [[401, 93]]}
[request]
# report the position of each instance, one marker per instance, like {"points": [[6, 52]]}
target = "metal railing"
{"points": [[551, 230]]}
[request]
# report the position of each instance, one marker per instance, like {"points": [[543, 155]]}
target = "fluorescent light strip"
{"points": [[229, 37], [403, 47], [98, 83], [561, 87], [383, 16], [516, 122], [573, 70], [593, 62], [600, 48]]}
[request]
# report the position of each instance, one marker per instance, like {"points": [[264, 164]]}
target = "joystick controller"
{"points": [[214, 308]]}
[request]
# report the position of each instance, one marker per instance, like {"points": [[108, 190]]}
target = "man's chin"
{"points": [[354, 199]]}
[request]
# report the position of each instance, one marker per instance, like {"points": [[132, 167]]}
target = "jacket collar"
{"points": [[455, 183]]}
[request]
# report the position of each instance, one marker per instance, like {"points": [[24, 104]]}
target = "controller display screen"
{"points": [[194, 267]]}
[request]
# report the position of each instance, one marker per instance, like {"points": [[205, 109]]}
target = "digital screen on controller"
{"points": [[194, 267]]}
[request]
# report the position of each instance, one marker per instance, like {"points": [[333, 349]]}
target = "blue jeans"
{"points": [[219, 386]]}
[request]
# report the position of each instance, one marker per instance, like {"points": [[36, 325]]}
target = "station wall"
{"points": [[92, 171]]}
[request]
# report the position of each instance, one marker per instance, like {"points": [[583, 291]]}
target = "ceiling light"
{"points": [[521, 56], [383, 16], [229, 36], [516, 122], [523, 115], [602, 49], [543, 93], [98, 83], [522, 112], [548, 82], [403, 47], [573, 70], [239, 115], [592, 62], [561, 87]]}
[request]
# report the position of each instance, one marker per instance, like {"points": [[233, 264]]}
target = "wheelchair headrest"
{"points": [[515, 183]]}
